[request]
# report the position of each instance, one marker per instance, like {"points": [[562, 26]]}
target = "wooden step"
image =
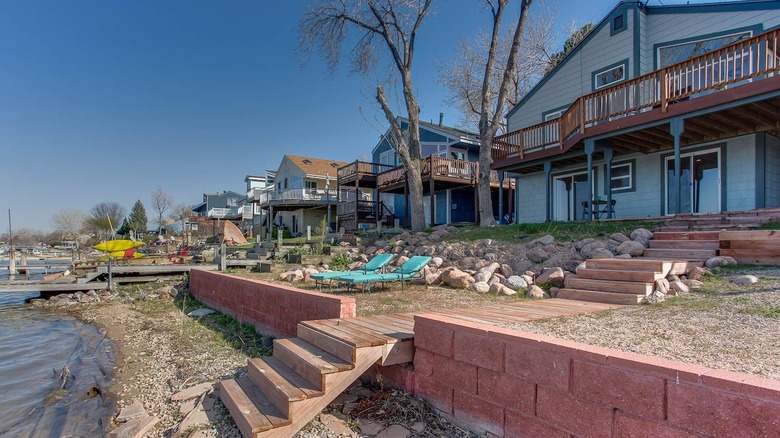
{"points": [[599, 297], [252, 411], [687, 235], [326, 342], [680, 254], [638, 264], [312, 363], [280, 384], [684, 244], [619, 275], [620, 287]]}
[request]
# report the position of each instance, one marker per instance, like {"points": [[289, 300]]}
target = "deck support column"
{"points": [[406, 201], [590, 146], [270, 222], [547, 192], [676, 128], [433, 202], [608, 177], [516, 198], [501, 197]]}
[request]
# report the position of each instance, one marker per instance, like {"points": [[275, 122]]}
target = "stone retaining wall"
{"points": [[272, 308], [516, 384]]}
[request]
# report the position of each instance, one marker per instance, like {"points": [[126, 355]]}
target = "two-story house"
{"points": [[303, 194], [659, 110], [449, 174]]}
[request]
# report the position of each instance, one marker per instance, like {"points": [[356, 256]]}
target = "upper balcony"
{"points": [[706, 90], [441, 172], [254, 194], [225, 213], [362, 173], [297, 198]]}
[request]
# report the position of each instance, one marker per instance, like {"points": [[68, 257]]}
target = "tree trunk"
{"points": [[486, 217], [414, 181]]}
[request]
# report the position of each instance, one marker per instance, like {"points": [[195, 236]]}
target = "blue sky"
{"points": [[106, 101]]}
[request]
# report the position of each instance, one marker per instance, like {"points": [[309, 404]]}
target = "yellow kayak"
{"points": [[117, 245], [122, 255]]}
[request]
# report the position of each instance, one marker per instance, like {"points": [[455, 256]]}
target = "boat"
{"points": [[119, 245]]}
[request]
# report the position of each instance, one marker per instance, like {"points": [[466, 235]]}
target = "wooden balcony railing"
{"points": [[361, 168], [750, 59], [436, 167]]}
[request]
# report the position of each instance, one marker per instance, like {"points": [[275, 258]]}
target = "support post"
{"points": [[270, 221], [516, 197], [222, 257], [590, 146], [676, 128], [547, 191], [511, 199], [501, 197], [608, 154], [433, 200]]}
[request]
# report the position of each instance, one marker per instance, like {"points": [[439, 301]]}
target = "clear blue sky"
{"points": [[108, 100]]}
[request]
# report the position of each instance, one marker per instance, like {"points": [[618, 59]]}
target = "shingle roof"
{"points": [[317, 166]]}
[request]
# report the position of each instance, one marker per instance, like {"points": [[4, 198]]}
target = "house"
{"points": [[303, 194], [253, 216], [449, 172], [659, 110], [218, 205]]}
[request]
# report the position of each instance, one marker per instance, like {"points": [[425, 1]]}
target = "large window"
{"points": [[310, 184], [622, 177], [674, 53], [609, 76], [232, 202]]}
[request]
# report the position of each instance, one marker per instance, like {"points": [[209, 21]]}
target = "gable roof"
{"points": [[448, 131], [316, 166], [740, 5]]}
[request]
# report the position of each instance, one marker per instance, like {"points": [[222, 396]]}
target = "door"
{"points": [[700, 181], [569, 192]]}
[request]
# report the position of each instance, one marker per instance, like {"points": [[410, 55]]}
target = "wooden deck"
{"points": [[396, 331]]}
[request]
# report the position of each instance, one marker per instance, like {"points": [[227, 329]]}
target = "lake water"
{"points": [[35, 346]]}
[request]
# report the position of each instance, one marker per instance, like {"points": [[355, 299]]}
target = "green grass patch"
{"points": [[562, 231], [773, 225], [768, 311]]}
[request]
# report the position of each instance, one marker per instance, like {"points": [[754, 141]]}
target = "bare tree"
{"points": [[161, 203], [68, 223], [181, 213], [389, 27], [106, 216]]}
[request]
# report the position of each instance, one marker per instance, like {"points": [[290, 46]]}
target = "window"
{"points": [[231, 202], [618, 24], [194, 226], [285, 183], [608, 77], [622, 177], [674, 53], [554, 115], [335, 165], [307, 161], [310, 184], [387, 158]]}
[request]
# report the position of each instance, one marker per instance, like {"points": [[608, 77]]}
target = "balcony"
{"points": [[744, 69], [248, 211], [298, 197], [441, 172], [225, 213], [254, 194], [362, 172]]}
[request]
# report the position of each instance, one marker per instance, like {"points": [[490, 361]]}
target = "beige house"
{"points": [[304, 190]]}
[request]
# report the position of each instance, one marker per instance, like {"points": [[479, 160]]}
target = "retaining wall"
{"points": [[517, 384], [271, 308]]}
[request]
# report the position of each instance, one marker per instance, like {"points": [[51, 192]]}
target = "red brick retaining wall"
{"points": [[517, 384], [270, 307]]}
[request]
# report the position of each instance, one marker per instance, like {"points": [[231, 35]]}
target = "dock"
{"points": [[154, 269], [44, 288]]}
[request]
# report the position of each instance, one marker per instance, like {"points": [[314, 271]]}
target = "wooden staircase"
{"points": [[615, 281], [282, 393], [727, 220], [684, 245]]}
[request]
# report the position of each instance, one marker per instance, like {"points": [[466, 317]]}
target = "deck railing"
{"points": [[299, 195], [436, 167], [348, 208], [740, 62], [224, 213], [361, 167]]}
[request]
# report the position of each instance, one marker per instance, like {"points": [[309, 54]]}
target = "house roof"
{"points": [[459, 134], [316, 166], [740, 5]]}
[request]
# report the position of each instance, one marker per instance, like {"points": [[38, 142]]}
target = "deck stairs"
{"points": [[727, 220], [280, 394], [615, 281], [683, 245]]}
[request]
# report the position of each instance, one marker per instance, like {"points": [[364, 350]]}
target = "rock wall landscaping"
{"points": [[512, 383], [270, 307]]}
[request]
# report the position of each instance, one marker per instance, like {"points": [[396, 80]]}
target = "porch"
{"points": [[722, 95]]}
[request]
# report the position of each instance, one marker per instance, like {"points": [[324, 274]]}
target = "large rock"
{"points": [[662, 285], [619, 237], [480, 287], [602, 253], [552, 276], [589, 249], [581, 244], [535, 291], [520, 265], [744, 279], [697, 273], [500, 289], [537, 255], [634, 249], [135, 410], [457, 279], [546, 240], [436, 262], [643, 233], [677, 287], [506, 270], [516, 282], [714, 262]]}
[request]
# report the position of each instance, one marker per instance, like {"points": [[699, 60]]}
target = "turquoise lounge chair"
{"points": [[402, 273], [372, 267]]}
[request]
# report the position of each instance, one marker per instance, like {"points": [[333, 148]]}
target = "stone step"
{"points": [[679, 254], [686, 235], [639, 264], [620, 287], [685, 244], [279, 383], [600, 297], [619, 275], [252, 411], [312, 363]]}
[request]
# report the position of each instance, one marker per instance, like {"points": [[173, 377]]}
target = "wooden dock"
{"points": [[154, 269], [54, 287]]}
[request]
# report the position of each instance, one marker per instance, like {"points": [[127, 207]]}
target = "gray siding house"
{"points": [[659, 110]]}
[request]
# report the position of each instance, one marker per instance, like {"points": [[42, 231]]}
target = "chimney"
{"points": [[441, 118]]}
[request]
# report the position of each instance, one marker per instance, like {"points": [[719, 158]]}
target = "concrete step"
{"points": [[599, 297], [620, 287], [685, 244]]}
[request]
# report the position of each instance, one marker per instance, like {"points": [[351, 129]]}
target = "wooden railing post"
{"points": [[664, 90], [582, 114]]}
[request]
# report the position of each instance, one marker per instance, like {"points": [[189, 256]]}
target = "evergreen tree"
{"points": [[124, 229], [137, 220]]}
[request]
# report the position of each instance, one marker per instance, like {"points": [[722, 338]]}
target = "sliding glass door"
{"points": [[700, 181]]}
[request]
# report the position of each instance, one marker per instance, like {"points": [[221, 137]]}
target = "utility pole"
{"points": [[12, 257]]}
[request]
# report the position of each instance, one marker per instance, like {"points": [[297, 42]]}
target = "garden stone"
{"points": [[697, 273], [554, 291], [634, 249], [662, 285], [715, 262], [602, 253], [642, 232], [582, 265], [436, 262], [516, 282], [677, 287], [619, 237], [743, 280], [506, 270], [498, 288], [571, 264], [623, 256], [538, 255], [135, 410], [535, 291], [480, 287], [552, 276], [581, 244], [546, 240], [654, 298], [693, 284]]}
